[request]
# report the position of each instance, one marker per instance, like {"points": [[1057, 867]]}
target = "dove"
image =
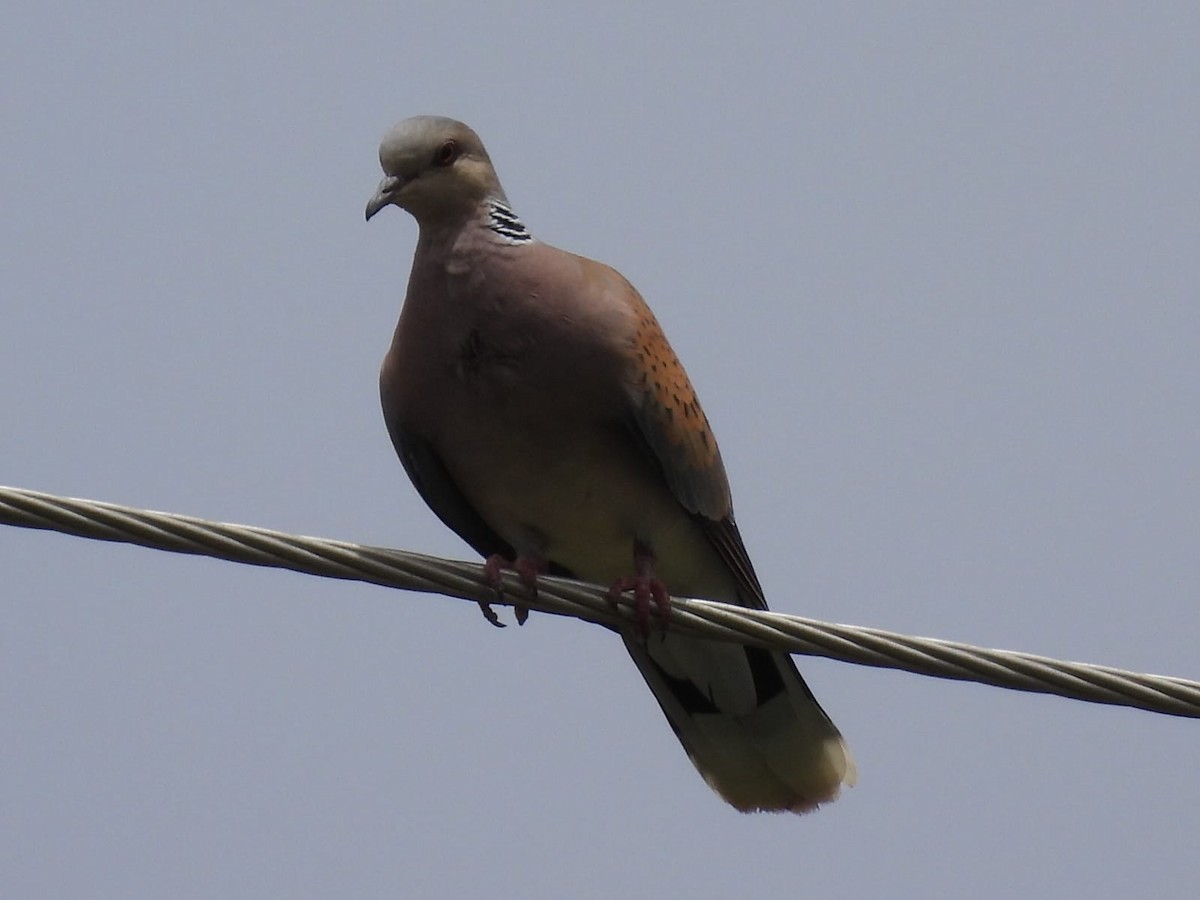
{"points": [[540, 412]]}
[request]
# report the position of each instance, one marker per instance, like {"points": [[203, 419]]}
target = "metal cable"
{"points": [[411, 571]]}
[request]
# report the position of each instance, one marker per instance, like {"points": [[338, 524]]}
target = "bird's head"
{"points": [[436, 168]]}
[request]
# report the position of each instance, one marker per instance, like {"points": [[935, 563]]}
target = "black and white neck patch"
{"points": [[507, 224]]}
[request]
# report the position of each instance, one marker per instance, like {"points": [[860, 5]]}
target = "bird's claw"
{"points": [[647, 591], [490, 614], [528, 569]]}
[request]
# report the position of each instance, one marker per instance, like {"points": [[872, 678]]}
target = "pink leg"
{"points": [[528, 568], [646, 589]]}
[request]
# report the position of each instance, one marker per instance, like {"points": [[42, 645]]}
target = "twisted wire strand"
{"points": [[412, 571]]}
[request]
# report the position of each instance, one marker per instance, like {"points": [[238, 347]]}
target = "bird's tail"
{"points": [[748, 721]]}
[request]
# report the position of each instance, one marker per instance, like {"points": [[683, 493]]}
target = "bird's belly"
{"points": [[582, 501]]}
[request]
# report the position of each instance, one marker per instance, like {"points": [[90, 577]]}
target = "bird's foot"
{"points": [[528, 568], [647, 589]]}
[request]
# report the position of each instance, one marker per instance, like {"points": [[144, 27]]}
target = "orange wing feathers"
{"points": [[674, 423]]}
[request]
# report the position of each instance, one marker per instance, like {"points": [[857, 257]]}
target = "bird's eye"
{"points": [[446, 153]]}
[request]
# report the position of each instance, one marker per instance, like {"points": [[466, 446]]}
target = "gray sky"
{"points": [[934, 272]]}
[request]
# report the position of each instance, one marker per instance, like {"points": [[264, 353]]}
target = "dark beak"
{"points": [[385, 194]]}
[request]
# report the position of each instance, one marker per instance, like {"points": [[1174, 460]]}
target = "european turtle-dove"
{"points": [[540, 412]]}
